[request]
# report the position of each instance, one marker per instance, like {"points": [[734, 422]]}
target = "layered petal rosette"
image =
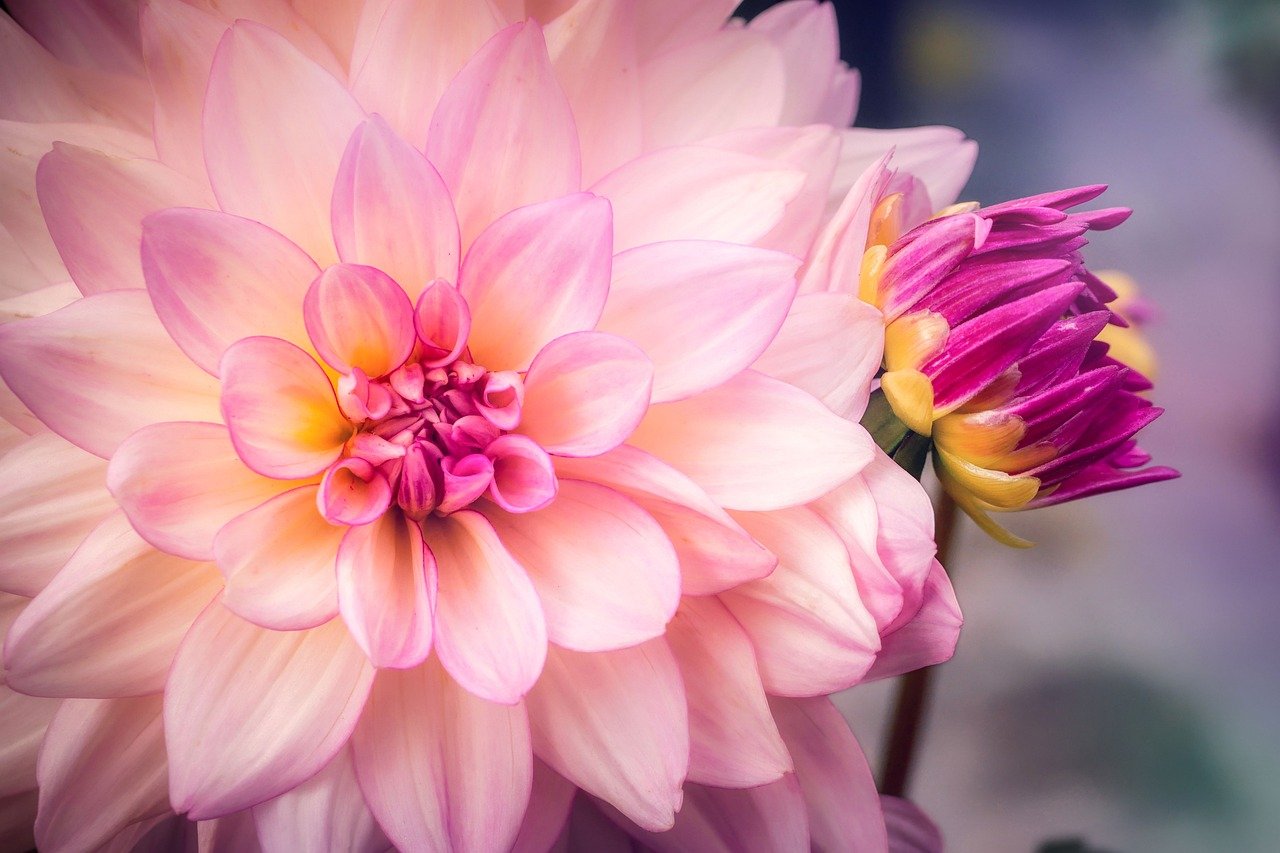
{"points": [[423, 426]]}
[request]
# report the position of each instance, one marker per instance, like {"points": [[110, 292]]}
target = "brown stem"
{"points": [[913, 688]]}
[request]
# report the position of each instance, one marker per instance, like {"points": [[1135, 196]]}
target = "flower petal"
{"points": [[585, 393], [278, 559], [251, 713], [280, 409], [51, 495], [844, 808], [94, 205], [283, 178], [927, 638], [92, 745], [756, 443], [387, 590], [697, 193], [503, 112], [325, 814], [548, 810], [702, 311], [215, 278], [391, 73], [910, 829], [441, 768], [179, 483], [491, 635], [537, 273], [715, 553], [563, 547], [358, 317], [939, 157], [107, 625], [102, 367], [811, 631], [391, 209], [733, 742], [830, 345], [727, 80], [615, 724]]}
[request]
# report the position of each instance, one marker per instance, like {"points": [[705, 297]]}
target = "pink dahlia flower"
{"points": [[423, 424]]}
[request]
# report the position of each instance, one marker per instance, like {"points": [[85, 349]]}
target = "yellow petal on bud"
{"points": [[886, 221], [1000, 490], [958, 207], [983, 438], [869, 275], [981, 517], [913, 339], [910, 393]]}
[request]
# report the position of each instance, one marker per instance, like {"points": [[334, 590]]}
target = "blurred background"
{"points": [[1118, 687]]}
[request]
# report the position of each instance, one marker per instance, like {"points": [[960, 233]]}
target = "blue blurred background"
{"points": [[1118, 685]]}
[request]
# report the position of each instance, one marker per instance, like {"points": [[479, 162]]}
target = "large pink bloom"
{"points": [[428, 426]]}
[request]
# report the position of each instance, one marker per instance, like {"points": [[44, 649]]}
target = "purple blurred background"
{"points": [[1120, 683]]}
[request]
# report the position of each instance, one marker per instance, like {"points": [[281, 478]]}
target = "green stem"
{"points": [[913, 688]]}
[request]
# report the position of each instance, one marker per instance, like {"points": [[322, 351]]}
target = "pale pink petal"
{"points": [[92, 746], [537, 273], [101, 35], [929, 637], [336, 22], [391, 209], [702, 311], [283, 178], [359, 318], [280, 409], [232, 833], [763, 819], [279, 563], [19, 276], [564, 546], [387, 590], [251, 713], [215, 278], [491, 635], [443, 323], [804, 33], [697, 193], [94, 205], [615, 724], [391, 72], [811, 631], [729, 80], [52, 494], [756, 443], [665, 24], [815, 150], [179, 483], [733, 742], [910, 829], [178, 44], [593, 51], [325, 814], [834, 261], [25, 145], [102, 367], [23, 720], [503, 112], [585, 393], [107, 625], [441, 768], [548, 810], [830, 345], [64, 92], [524, 477], [844, 808], [715, 553], [939, 157]]}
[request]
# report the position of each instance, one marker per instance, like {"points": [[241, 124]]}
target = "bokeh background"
{"points": [[1118, 687]]}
